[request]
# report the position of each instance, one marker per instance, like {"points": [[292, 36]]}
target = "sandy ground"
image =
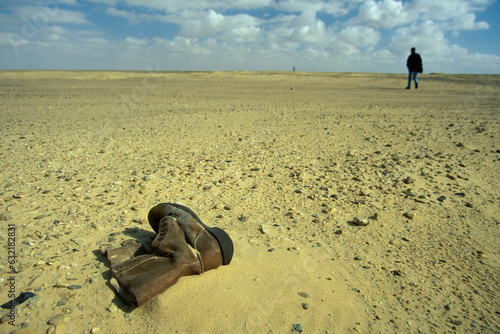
{"points": [[294, 158]]}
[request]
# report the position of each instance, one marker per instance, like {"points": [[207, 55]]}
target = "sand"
{"points": [[294, 157]]}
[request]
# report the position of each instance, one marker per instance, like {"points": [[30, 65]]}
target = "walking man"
{"points": [[414, 64]]}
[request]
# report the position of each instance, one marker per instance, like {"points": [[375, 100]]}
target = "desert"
{"points": [[354, 205]]}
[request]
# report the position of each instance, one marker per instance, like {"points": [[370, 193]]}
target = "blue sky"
{"points": [[453, 36]]}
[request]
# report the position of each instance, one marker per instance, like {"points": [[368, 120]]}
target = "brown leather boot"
{"points": [[183, 246]]}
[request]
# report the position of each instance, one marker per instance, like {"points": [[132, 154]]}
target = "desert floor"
{"points": [[284, 162]]}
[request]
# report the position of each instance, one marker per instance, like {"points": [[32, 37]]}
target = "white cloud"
{"points": [[135, 41], [385, 14], [39, 15], [199, 24], [466, 22], [359, 36], [174, 6], [218, 34]]}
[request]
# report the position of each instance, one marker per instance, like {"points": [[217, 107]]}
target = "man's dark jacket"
{"points": [[414, 63]]}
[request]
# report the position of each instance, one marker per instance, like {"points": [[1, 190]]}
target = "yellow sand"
{"points": [[295, 156]]}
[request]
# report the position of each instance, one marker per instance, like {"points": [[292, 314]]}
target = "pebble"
{"points": [[56, 319], [112, 308], [360, 221], [297, 327], [303, 294], [74, 287], [359, 258], [441, 198], [409, 180], [410, 214], [228, 207], [264, 229], [305, 306]]}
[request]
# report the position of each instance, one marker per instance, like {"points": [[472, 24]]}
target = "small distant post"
{"points": [[294, 68]]}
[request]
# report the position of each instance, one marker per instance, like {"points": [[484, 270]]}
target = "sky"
{"points": [[452, 36]]}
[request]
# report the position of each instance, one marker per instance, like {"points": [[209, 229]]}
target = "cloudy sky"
{"points": [[453, 36]]}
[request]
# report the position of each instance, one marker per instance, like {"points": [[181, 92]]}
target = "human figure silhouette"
{"points": [[414, 64]]}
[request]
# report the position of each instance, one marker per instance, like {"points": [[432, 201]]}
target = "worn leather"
{"points": [[182, 247]]}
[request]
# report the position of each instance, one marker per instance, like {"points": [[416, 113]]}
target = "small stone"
{"points": [[338, 232], [6, 318], [451, 177], [61, 303], [441, 198], [228, 207], [297, 327], [468, 204], [456, 322], [135, 208], [299, 191], [448, 307], [303, 294], [55, 319], [359, 258], [409, 180], [360, 221], [74, 287], [410, 214], [112, 308], [264, 229], [305, 306], [148, 177], [60, 328], [94, 330], [79, 241]]}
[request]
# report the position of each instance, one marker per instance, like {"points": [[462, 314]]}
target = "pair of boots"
{"points": [[183, 246]]}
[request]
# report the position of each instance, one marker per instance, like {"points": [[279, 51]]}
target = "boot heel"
{"points": [[225, 243]]}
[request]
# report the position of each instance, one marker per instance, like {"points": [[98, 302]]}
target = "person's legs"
{"points": [[415, 79], [409, 80]]}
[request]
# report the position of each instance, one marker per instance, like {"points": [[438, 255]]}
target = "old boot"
{"points": [[183, 246]]}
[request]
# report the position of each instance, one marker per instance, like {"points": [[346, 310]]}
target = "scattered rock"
{"points": [[409, 180], [303, 294], [297, 327], [410, 215], [56, 319], [112, 308], [360, 221]]}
